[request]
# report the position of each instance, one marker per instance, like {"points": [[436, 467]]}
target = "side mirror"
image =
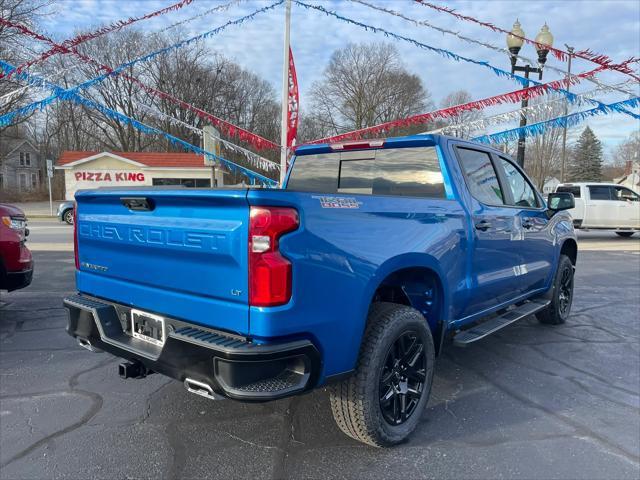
{"points": [[561, 201]]}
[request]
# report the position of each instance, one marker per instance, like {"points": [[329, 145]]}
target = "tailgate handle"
{"points": [[140, 204]]}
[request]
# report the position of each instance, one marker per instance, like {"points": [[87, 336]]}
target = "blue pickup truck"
{"points": [[355, 276]]}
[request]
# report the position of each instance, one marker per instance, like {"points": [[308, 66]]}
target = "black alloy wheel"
{"points": [[565, 294], [382, 402], [403, 378], [560, 295]]}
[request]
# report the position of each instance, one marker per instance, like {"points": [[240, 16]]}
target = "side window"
{"points": [[600, 192], [569, 189], [624, 194], [521, 189], [482, 179]]}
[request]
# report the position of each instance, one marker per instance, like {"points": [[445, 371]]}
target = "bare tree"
{"points": [[543, 151], [15, 49], [216, 85], [458, 121], [627, 151], [117, 92], [366, 84]]}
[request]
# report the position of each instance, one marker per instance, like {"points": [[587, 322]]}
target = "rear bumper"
{"points": [[232, 366], [15, 280]]}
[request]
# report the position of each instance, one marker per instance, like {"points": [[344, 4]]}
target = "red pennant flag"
{"points": [[293, 103]]}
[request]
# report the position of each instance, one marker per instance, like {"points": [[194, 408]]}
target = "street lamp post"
{"points": [[563, 159], [515, 40]]}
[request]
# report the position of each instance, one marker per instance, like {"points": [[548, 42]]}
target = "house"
{"points": [[550, 185], [86, 170], [631, 177], [22, 168]]}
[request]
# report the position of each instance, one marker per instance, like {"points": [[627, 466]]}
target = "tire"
{"points": [[561, 296], [363, 403], [625, 234], [68, 216]]}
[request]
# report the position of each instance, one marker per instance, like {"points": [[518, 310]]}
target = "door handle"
{"points": [[140, 204], [526, 223], [483, 226]]}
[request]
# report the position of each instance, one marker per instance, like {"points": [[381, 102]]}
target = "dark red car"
{"points": [[16, 263]]}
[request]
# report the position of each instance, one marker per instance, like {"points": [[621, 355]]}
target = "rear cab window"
{"points": [[410, 172]]}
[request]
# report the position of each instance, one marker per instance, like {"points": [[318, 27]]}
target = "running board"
{"points": [[465, 337]]}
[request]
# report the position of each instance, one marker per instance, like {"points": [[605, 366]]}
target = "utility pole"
{"points": [[211, 144], [566, 110], [284, 124], [49, 176]]}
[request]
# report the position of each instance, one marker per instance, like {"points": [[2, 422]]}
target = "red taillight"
{"points": [[269, 272], [75, 235], [357, 145]]}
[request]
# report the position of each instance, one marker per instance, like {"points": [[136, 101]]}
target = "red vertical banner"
{"points": [[293, 103]]}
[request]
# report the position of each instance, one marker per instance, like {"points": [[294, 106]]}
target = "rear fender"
{"points": [[413, 289]]}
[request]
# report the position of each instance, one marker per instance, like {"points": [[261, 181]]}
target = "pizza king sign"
{"points": [[109, 177]]}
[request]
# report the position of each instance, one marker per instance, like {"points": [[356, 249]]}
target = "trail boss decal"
{"points": [[338, 202]]}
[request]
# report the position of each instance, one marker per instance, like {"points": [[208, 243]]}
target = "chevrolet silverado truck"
{"points": [[355, 275]]}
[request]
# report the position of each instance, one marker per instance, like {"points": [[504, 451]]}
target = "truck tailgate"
{"points": [[184, 256]]}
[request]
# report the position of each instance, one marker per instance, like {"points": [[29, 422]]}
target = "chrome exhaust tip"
{"points": [[85, 343], [201, 388]]}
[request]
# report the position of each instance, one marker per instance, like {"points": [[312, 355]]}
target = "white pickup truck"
{"points": [[607, 206]]}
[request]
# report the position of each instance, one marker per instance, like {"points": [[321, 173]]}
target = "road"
{"points": [[530, 402]]}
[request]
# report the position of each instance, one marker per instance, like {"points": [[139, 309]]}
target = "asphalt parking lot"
{"points": [[530, 402]]}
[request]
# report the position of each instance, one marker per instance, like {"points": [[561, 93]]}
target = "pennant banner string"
{"points": [[226, 127], [255, 159], [602, 60], [83, 37], [509, 97], [71, 94], [567, 121], [529, 111], [450, 55], [217, 8], [424, 23], [53, 75]]}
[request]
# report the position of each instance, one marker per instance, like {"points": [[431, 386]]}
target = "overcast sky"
{"points": [[608, 27]]}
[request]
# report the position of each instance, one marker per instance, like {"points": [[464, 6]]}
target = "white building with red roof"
{"points": [[85, 170]]}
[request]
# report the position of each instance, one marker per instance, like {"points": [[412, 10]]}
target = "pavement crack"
{"points": [[147, 410], [179, 457], [579, 428], [94, 408], [253, 444], [286, 438], [584, 372]]}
